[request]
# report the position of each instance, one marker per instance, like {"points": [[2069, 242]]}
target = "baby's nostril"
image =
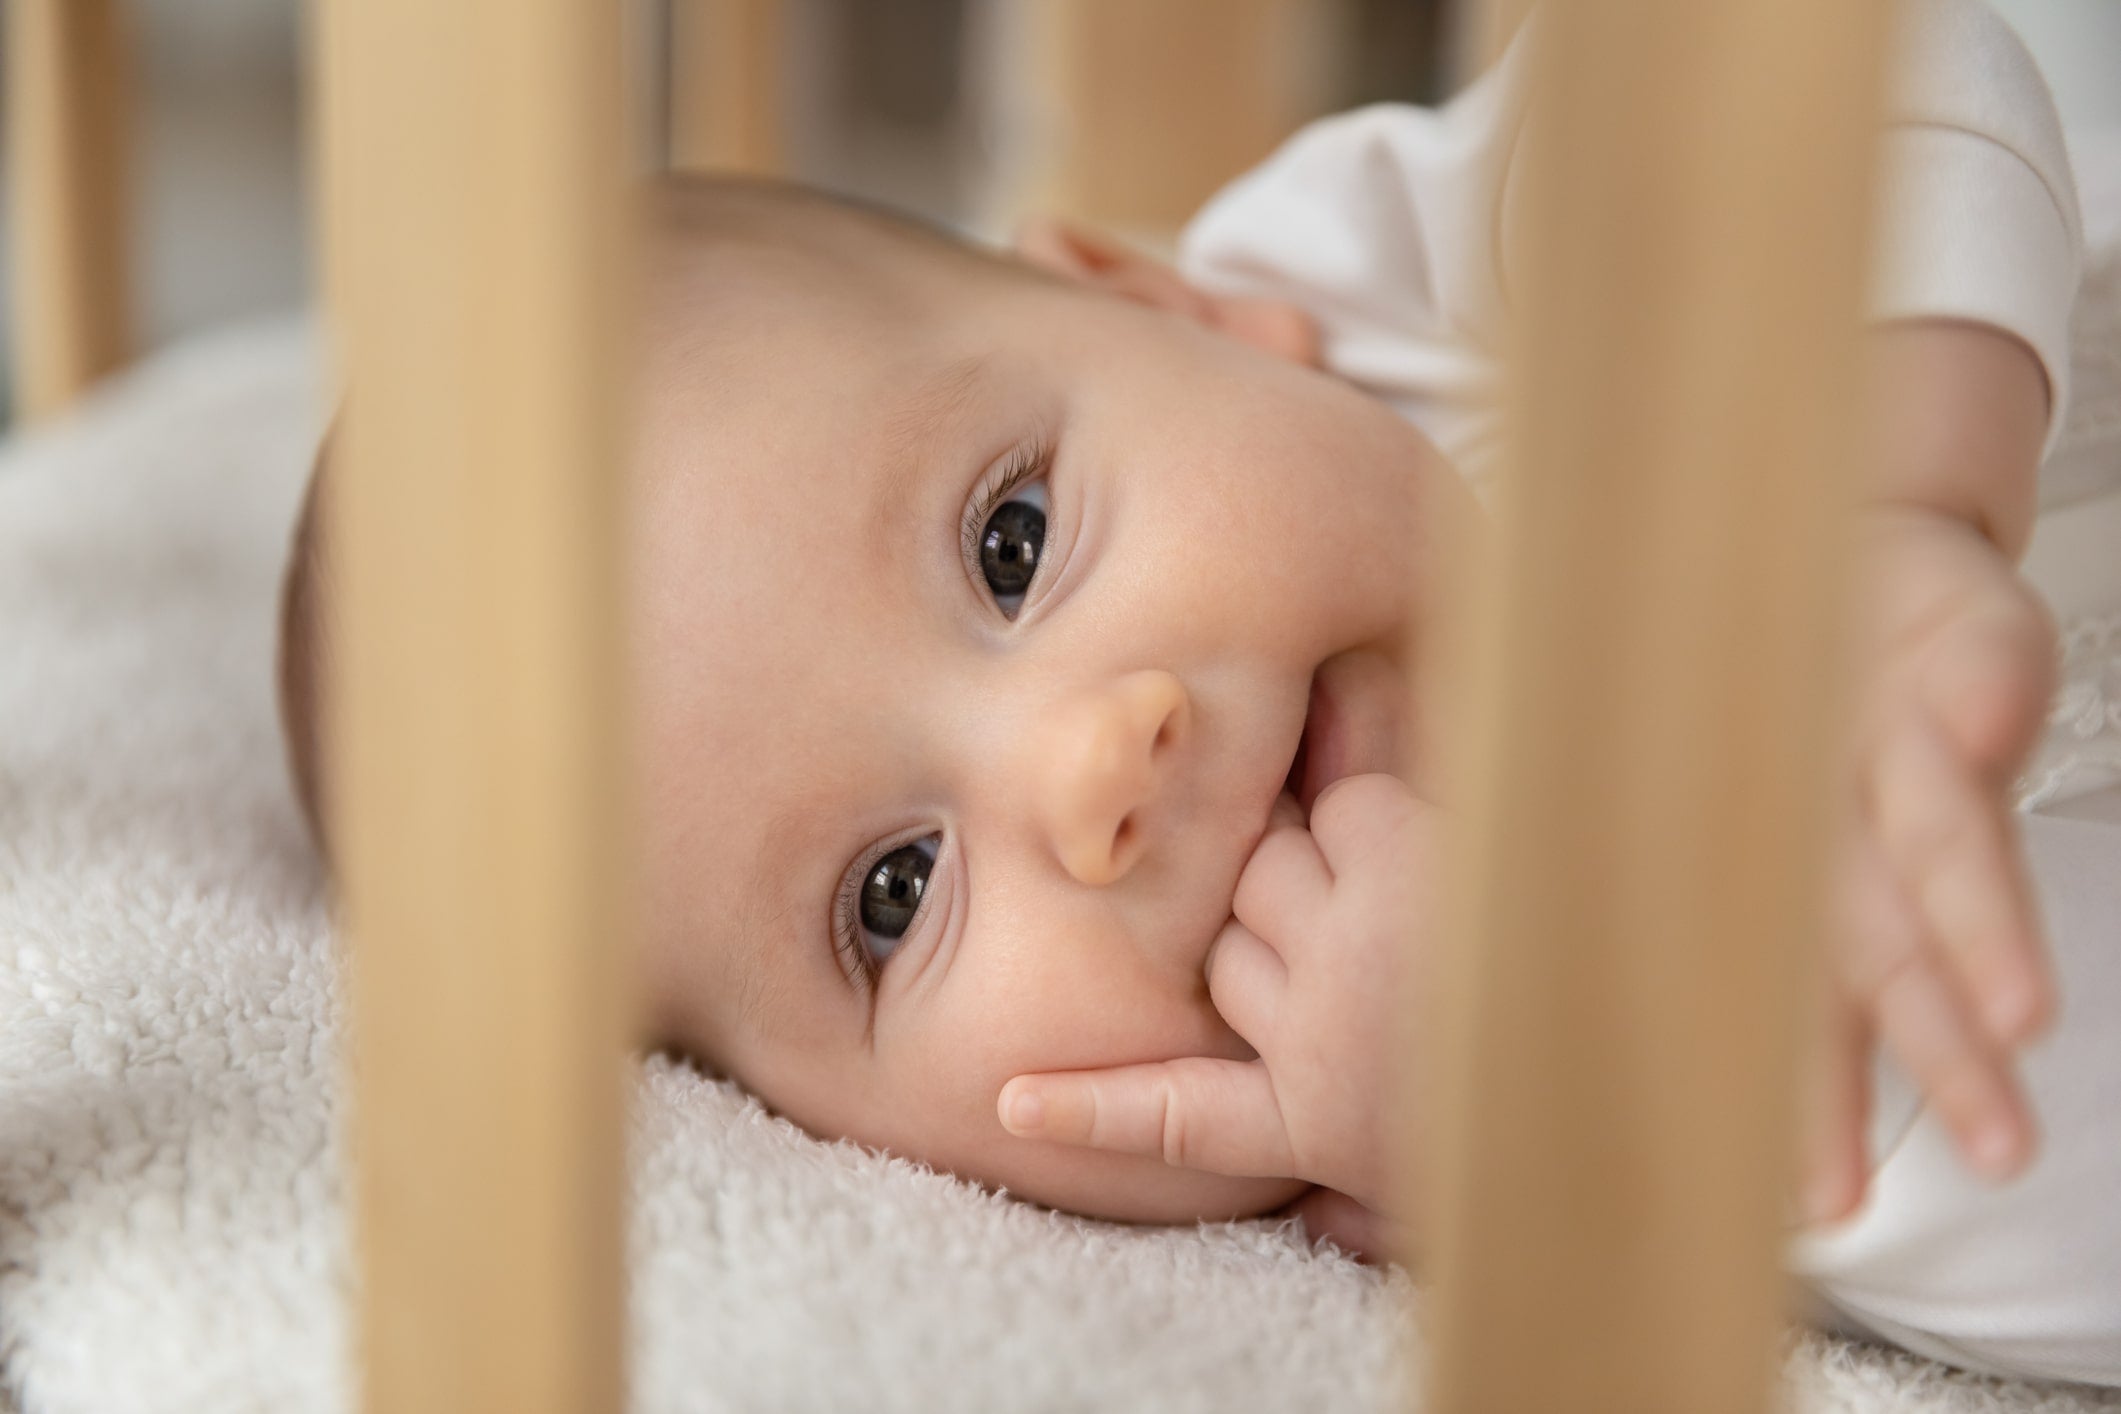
{"points": [[1124, 833]]}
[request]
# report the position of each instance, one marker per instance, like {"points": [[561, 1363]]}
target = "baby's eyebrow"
{"points": [[911, 432], [767, 918]]}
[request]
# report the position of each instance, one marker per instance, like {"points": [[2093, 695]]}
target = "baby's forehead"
{"points": [[782, 373], [751, 269], [754, 279], [742, 317], [784, 480], [750, 347]]}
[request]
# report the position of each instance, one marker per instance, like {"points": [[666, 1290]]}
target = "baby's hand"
{"points": [[1308, 972], [1936, 946]]}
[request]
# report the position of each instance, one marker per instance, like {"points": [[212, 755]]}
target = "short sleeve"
{"points": [[1978, 216], [1387, 224], [1383, 224]]}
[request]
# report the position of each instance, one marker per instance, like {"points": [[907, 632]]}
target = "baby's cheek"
{"points": [[1079, 993], [1055, 1021]]}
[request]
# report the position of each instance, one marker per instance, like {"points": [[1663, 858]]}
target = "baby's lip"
{"points": [[1354, 724]]}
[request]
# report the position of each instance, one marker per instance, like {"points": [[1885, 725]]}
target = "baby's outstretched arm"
{"points": [[1936, 948], [1311, 973]]}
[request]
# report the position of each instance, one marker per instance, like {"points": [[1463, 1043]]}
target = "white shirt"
{"points": [[1391, 227]]}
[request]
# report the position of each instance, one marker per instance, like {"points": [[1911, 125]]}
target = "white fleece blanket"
{"points": [[173, 1235]]}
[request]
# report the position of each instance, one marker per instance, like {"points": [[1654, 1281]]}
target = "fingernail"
{"points": [[1023, 1112], [1996, 1151]]}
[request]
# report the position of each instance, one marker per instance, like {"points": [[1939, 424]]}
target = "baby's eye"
{"points": [[890, 898], [1010, 544]]}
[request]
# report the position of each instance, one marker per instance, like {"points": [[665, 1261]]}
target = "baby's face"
{"points": [[983, 615]]}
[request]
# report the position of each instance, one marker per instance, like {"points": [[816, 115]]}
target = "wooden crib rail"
{"points": [[477, 217], [68, 153], [1145, 109], [1656, 708], [726, 73]]}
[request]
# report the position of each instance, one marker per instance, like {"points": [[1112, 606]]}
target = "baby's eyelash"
{"points": [[846, 921], [847, 925], [1029, 461]]}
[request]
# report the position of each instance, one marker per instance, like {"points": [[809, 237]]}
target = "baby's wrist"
{"points": [[1957, 424], [1889, 517]]}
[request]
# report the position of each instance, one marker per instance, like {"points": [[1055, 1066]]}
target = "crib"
{"points": [[484, 836]]}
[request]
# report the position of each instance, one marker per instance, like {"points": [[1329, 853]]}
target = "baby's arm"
{"points": [[1936, 949]]}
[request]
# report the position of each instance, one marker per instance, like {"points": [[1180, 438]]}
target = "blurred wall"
{"points": [[892, 99], [2078, 44], [218, 180], [897, 100], [222, 143]]}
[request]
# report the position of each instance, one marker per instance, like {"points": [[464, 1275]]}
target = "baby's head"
{"points": [[978, 616]]}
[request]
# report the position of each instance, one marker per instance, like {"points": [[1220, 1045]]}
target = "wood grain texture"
{"points": [[478, 257], [1656, 703], [1147, 108], [727, 101], [69, 167]]}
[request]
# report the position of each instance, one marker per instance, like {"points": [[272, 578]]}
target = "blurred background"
{"points": [[1127, 112]]}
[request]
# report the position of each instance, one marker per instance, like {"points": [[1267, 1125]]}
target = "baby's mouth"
{"points": [[1293, 784], [1355, 723], [1306, 778]]}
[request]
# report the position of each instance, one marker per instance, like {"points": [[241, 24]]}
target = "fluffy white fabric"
{"points": [[172, 1226]]}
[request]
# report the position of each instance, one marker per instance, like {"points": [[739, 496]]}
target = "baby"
{"points": [[1022, 651], [979, 617]]}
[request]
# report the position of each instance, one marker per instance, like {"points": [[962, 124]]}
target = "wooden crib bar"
{"points": [[1145, 109], [69, 174], [478, 227], [726, 72], [1656, 709], [1652, 712]]}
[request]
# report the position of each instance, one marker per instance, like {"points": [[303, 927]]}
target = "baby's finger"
{"points": [[1833, 1167], [1363, 1233], [1876, 929], [1193, 1112], [1991, 680], [1246, 981], [1885, 961], [1285, 886], [1973, 1092], [1360, 822], [1944, 834]]}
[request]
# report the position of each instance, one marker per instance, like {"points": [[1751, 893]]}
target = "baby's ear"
{"points": [[1088, 257]]}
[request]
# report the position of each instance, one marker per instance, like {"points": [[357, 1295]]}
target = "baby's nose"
{"points": [[1100, 761]]}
